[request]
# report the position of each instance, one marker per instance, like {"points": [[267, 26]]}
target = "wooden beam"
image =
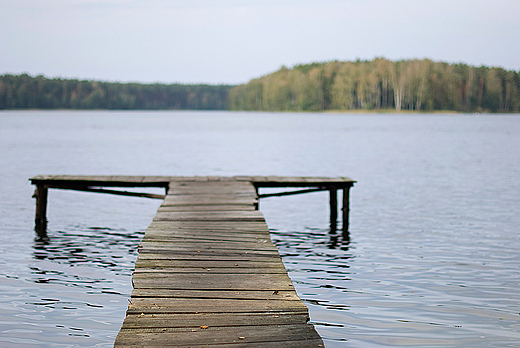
{"points": [[112, 192], [289, 193]]}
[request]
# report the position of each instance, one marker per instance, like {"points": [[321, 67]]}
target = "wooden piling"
{"points": [[346, 208], [40, 218], [333, 199]]}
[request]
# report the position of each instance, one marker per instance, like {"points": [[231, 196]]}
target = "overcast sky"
{"points": [[232, 41]]}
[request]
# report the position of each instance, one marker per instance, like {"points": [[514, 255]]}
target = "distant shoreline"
{"points": [[381, 84], [325, 112], [377, 86]]}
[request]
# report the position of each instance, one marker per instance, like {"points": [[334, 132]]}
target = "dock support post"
{"points": [[333, 193], [346, 210], [40, 219]]}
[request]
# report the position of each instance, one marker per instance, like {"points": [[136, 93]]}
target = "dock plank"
{"points": [[207, 236], [180, 337], [139, 321], [188, 264], [209, 270], [205, 207], [212, 305], [198, 245], [253, 215], [284, 295], [259, 256], [237, 281]]}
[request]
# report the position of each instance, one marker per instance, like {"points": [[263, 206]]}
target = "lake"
{"points": [[433, 258]]}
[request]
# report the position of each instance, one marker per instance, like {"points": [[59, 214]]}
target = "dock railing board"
{"points": [[207, 273]]}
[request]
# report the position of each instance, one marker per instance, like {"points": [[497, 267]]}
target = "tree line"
{"points": [[381, 84], [28, 92]]}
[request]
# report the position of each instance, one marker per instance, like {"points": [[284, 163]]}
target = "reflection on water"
{"points": [[93, 247], [318, 262], [337, 240], [75, 290], [384, 294]]}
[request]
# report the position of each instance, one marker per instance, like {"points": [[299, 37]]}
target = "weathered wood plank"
{"points": [[312, 343], [198, 244], [196, 192], [127, 178], [206, 236], [179, 181], [230, 238], [209, 270], [200, 254], [205, 207], [190, 246], [248, 228], [203, 256], [100, 181], [284, 295], [208, 248], [208, 255], [197, 251], [201, 201], [252, 226], [191, 180], [272, 282], [211, 305], [190, 193], [193, 201], [211, 187], [187, 264], [218, 213], [138, 321], [253, 215], [155, 179], [209, 235], [219, 335]]}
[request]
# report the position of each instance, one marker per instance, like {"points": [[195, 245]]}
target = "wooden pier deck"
{"points": [[207, 273]]}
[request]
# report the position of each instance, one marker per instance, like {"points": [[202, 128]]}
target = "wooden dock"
{"points": [[207, 273]]}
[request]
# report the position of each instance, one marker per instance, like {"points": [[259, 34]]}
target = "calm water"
{"points": [[434, 252]]}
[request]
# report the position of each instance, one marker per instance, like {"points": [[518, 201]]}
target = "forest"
{"points": [[378, 84], [27, 92], [381, 84]]}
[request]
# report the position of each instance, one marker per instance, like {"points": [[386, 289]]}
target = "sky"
{"points": [[232, 41]]}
